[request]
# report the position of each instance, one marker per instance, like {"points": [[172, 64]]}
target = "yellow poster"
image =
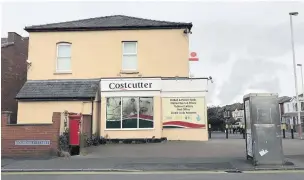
{"points": [[184, 112]]}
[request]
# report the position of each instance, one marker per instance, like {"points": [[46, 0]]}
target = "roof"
{"points": [[62, 89], [5, 43], [233, 107], [115, 22], [284, 99]]}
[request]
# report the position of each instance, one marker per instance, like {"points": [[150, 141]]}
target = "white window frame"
{"points": [[57, 48], [129, 54], [127, 129]]}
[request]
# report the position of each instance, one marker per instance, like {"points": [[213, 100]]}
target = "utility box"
{"points": [[263, 129]]}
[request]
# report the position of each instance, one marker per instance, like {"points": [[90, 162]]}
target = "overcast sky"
{"points": [[244, 46]]}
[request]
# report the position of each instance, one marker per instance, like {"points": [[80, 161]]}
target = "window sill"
{"points": [[63, 72], [129, 129], [129, 72]]}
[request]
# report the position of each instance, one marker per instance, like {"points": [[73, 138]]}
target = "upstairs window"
{"points": [[63, 63], [129, 56]]}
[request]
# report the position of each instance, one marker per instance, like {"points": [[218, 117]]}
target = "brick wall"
{"points": [[13, 72], [10, 133]]}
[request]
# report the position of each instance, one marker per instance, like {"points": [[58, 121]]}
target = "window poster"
{"points": [[184, 112], [129, 112]]}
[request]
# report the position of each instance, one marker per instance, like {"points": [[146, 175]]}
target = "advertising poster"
{"points": [[248, 120], [183, 112], [248, 129]]}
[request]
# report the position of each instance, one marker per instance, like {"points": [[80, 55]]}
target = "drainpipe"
{"points": [[92, 112]]}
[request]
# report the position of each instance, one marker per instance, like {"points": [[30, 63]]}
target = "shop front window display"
{"points": [[129, 112]]}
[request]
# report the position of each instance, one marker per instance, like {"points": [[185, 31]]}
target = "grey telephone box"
{"points": [[263, 129]]}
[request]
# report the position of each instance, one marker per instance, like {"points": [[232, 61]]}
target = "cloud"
{"points": [[271, 85], [249, 73], [274, 41]]}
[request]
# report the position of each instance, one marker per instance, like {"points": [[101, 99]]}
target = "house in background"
{"points": [[14, 50], [290, 111], [282, 100], [234, 112], [238, 114]]}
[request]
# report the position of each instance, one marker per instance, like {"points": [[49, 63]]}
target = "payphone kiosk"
{"points": [[263, 129]]}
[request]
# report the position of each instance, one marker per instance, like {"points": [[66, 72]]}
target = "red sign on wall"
{"points": [[193, 56]]}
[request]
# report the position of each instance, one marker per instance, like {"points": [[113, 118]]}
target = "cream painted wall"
{"points": [[112, 134], [96, 116], [186, 134], [40, 112], [98, 54]]}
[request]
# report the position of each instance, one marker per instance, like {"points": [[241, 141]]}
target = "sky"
{"points": [[244, 46]]}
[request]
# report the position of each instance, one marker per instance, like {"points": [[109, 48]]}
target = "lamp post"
{"points": [[300, 65], [295, 72]]}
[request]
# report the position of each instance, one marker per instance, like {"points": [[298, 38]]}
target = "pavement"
{"points": [[217, 154]]}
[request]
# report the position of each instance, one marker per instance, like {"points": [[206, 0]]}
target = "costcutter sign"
{"points": [[130, 84]]}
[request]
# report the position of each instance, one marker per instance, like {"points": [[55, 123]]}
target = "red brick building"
{"points": [[14, 52]]}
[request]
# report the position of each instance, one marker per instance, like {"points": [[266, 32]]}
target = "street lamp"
{"points": [[295, 72], [300, 65]]}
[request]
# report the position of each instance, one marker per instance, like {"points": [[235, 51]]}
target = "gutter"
{"points": [[54, 99], [51, 29], [92, 112]]}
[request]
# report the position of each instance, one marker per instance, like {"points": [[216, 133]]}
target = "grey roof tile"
{"points": [[284, 99], [4, 41], [75, 88], [109, 22]]}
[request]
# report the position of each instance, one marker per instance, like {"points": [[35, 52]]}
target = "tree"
{"points": [[215, 117]]}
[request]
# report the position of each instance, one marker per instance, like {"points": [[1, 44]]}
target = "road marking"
{"points": [[153, 172], [124, 173], [273, 171]]}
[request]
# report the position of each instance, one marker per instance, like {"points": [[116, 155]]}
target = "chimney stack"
{"points": [[13, 37]]}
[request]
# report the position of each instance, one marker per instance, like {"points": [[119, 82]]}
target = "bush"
{"points": [[89, 141], [64, 141], [95, 139]]}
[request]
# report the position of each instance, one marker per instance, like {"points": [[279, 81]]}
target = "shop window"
{"points": [[113, 113], [145, 112], [129, 113]]}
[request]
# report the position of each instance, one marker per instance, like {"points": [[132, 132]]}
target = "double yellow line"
{"points": [[151, 172]]}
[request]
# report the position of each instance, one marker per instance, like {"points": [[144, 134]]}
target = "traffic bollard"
{"points": [[243, 133], [292, 136], [209, 131], [226, 131], [283, 127]]}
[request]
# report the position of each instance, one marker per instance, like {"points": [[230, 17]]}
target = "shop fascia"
{"points": [[154, 84], [130, 84]]}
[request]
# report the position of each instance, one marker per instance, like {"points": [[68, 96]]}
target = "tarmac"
{"points": [[216, 155]]}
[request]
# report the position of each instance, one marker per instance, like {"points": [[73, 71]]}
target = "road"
{"points": [[280, 175]]}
